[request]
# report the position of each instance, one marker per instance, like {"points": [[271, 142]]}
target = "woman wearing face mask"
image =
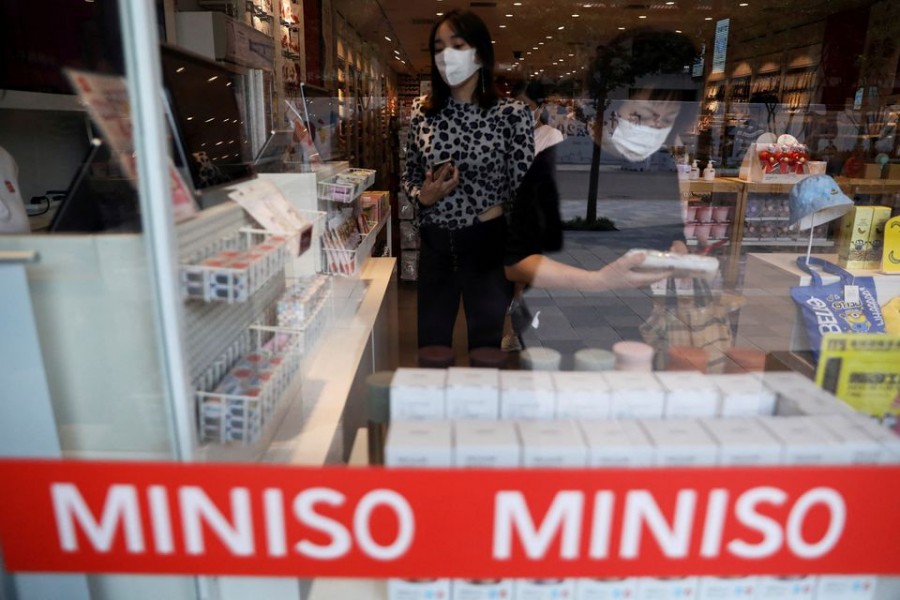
{"points": [[490, 144]]}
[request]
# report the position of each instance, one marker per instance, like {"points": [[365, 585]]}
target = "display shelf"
{"points": [[346, 187], [787, 242], [349, 261]]}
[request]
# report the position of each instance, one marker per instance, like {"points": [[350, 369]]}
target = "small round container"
{"points": [[718, 231], [540, 359], [721, 214], [686, 358], [702, 230], [488, 358], [436, 357], [690, 214], [633, 356], [689, 230], [594, 359], [705, 214], [742, 359]]}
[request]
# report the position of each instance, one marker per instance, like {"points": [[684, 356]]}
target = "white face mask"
{"points": [[638, 142], [455, 66]]}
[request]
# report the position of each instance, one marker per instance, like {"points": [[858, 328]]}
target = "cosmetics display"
{"points": [[346, 186]]}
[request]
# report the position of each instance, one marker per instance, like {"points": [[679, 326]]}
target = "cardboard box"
{"points": [[617, 444], [635, 395], [417, 589], [486, 444], [743, 395], [419, 444], [805, 442], [792, 588], [727, 588], [681, 443], [882, 434], [418, 394], [846, 587], [743, 441], [552, 444], [871, 171], [798, 395], [527, 395], [581, 395], [891, 171], [544, 589], [482, 589], [473, 394], [688, 394], [861, 448], [854, 234], [606, 589], [669, 588]]}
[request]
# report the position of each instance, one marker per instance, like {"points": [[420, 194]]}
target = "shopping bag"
{"points": [[849, 305], [699, 321]]}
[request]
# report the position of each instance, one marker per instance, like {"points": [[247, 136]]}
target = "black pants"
{"points": [[465, 263]]}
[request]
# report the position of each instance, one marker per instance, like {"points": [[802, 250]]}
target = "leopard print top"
{"points": [[492, 149]]}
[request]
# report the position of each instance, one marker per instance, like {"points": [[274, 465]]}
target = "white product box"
{"points": [[635, 395], [743, 441], [795, 588], [805, 442], [552, 444], [617, 444], [431, 589], [581, 395], [606, 589], [527, 395], [688, 394], [473, 393], [491, 444], [681, 443], [743, 395], [861, 448], [418, 394], [485, 589], [798, 395], [419, 444], [544, 589], [846, 587], [727, 588], [669, 588], [889, 440]]}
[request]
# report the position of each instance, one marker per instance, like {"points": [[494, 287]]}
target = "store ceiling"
{"points": [[561, 37]]}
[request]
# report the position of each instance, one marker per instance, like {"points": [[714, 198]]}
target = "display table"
{"points": [[769, 318]]}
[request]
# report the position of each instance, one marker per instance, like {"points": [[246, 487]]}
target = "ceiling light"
{"points": [[387, 38], [397, 52], [517, 4], [708, 19], [549, 37], [439, 14], [534, 47], [670, 3], [509, 15], [744, 4], [621, 29], [576, 15], [561, 27], [540, 43], [529, 52], [503, 27], [642, 17], [678, 31], [570, 54], [493, 41]]}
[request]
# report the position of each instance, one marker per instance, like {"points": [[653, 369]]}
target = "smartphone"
{"points": [[442, 170]]}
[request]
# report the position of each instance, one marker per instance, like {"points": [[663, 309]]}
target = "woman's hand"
{"points": [[621, 274], [438, 185]]}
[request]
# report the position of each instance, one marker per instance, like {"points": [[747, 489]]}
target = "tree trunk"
{"points": [[593, 184]]}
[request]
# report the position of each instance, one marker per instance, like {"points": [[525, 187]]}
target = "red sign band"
{"points": [[114, 517]]}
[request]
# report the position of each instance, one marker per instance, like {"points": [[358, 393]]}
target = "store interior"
{"points": [[285, 246]]}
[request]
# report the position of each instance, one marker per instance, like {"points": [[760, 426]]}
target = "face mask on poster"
{"points": [[638, 142], [455, 66]]}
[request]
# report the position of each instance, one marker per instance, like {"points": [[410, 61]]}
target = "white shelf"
{"points": [[784, 242]]}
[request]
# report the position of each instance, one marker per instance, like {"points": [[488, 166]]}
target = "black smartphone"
{"points": [[442, 170]]}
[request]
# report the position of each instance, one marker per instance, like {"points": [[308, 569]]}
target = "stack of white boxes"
{"points": [[483, 418]]}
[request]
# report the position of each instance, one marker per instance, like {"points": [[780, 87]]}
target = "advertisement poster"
{"points": [[862, 371]]}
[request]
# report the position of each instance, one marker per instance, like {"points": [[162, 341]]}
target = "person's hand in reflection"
{"points": [[623, 273]]}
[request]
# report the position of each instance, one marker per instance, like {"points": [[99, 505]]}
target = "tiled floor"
{"points": [[570, 320]]}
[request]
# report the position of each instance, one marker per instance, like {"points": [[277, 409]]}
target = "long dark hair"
{"points": [[472, 29]]}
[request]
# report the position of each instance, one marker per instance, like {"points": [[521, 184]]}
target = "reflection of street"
{"points": [[631, 199]]}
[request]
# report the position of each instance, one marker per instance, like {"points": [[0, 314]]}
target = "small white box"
{"points": [[889, 440], [805, 442], [795, 588], [669, 588], [419, 444], [473, 393], [482, 589], [552, 444], [491, 444], [406, 589], [681, 443], [727, 588], [861, 448], [581, 395], [743, 441], [418, 394], [688, 394], [617, 444], [635, 395], [606, 589], [846, 587], [544, 589], [743, 395], [527, 395], [798, 395]]}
